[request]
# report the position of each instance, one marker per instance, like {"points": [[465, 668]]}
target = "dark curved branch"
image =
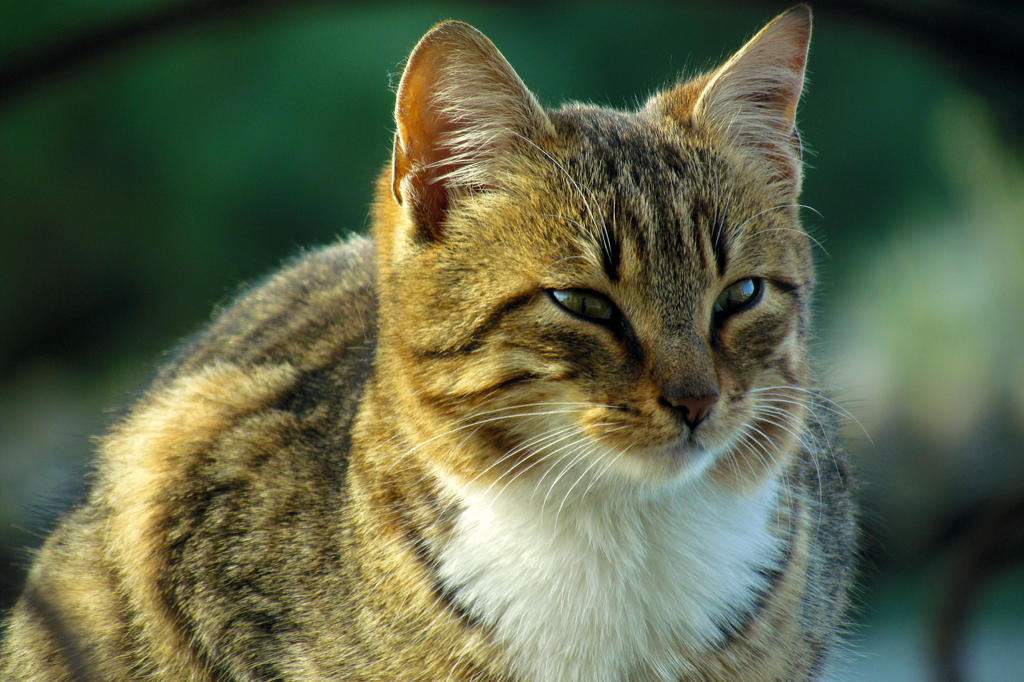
{"points": [[980, 36], [972, 36], [990, 540], [38, 66]]}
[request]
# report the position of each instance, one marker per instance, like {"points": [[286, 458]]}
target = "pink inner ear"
{"points": [[421, 162], [431, 198], [421, 145], [460, 111], [453, 85]]}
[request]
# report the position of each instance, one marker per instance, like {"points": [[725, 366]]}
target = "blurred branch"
{"points": [[979, 35], [971, 34], [39, 66], [976, 36], [990, 539]]}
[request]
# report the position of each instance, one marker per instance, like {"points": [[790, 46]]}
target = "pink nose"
{"points": [[695, 409]]}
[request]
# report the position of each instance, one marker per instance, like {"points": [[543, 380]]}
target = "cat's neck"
{"points": [[613, 583]]}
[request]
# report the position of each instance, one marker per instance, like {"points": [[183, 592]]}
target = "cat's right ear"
{"points": [[460, 109]]}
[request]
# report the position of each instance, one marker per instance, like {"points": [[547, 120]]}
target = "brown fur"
{"points": [[276, 506]]}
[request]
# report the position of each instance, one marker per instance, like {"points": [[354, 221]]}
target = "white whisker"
{"points": [[602, 228], [831, 406]]}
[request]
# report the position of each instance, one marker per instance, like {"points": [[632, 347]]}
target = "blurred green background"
{"points": [[139, 189]]}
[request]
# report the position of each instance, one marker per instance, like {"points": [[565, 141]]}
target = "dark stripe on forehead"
{"points": [[608, 238], [708, 206], [611, 251], [698, 218], [629, 226], [708, 225], [718, 244]]}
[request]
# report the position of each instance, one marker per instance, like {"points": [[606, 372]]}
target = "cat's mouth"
{"points": [[687, 459], [683, 459], [693, 444]]}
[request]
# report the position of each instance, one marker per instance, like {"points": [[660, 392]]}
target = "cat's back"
{"points": [[309, 313], [238, 450]]}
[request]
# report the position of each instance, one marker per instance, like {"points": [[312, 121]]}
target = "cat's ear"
{"points": [[459, 110], [752, 98]]}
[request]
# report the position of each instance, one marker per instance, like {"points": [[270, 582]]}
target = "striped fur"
{"points": [[403, 459]]}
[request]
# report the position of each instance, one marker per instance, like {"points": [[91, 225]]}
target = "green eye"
{"points": [[588, 304], [739, 295]]}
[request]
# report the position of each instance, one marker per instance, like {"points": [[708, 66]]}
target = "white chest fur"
{"points": [[616, 584]]}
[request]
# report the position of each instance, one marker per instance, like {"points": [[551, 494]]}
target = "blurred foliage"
{"points": [[149, 184], [140, 190], [935, 360]]}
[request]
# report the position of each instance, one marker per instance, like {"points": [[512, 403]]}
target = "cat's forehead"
{"points": [[629, 155], [681, 207]]}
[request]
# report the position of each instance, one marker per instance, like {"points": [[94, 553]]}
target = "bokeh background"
{"points": [[155, 155]]}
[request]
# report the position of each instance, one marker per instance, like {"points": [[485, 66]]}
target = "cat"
{"points": [[554, 421]]}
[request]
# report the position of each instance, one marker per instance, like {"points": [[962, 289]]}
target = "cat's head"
{"points": [[592, 291]]}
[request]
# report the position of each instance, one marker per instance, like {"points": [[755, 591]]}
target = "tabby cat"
{"points": [[554, 421]]}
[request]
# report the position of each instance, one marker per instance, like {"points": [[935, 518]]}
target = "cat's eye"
{"points": [[739, 295], [587, 304]]}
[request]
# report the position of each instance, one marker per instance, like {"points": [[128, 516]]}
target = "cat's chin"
{"points": [[680, 462]]}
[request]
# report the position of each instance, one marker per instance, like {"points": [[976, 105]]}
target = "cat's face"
{"points": [[623, 295]]}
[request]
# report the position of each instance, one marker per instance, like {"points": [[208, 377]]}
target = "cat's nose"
{"points": [[693, 408]]}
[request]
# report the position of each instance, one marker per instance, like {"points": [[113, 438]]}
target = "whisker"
{"points": [[814, 239], [563, 435], [763, 454], [763, 458], [567, 462], [547, 435], [545, 457], [778, 207], [611, 462], [771, 402], [811, 451], [803, 439], [812, 447], [579, 456], [602, 228], [567, 219], [831, 405], [489, 420], [586, 471], [595, 462]]}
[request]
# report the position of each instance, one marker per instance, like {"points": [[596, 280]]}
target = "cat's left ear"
{"points": [[754, 95], [460, 110], [752, 98]]}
